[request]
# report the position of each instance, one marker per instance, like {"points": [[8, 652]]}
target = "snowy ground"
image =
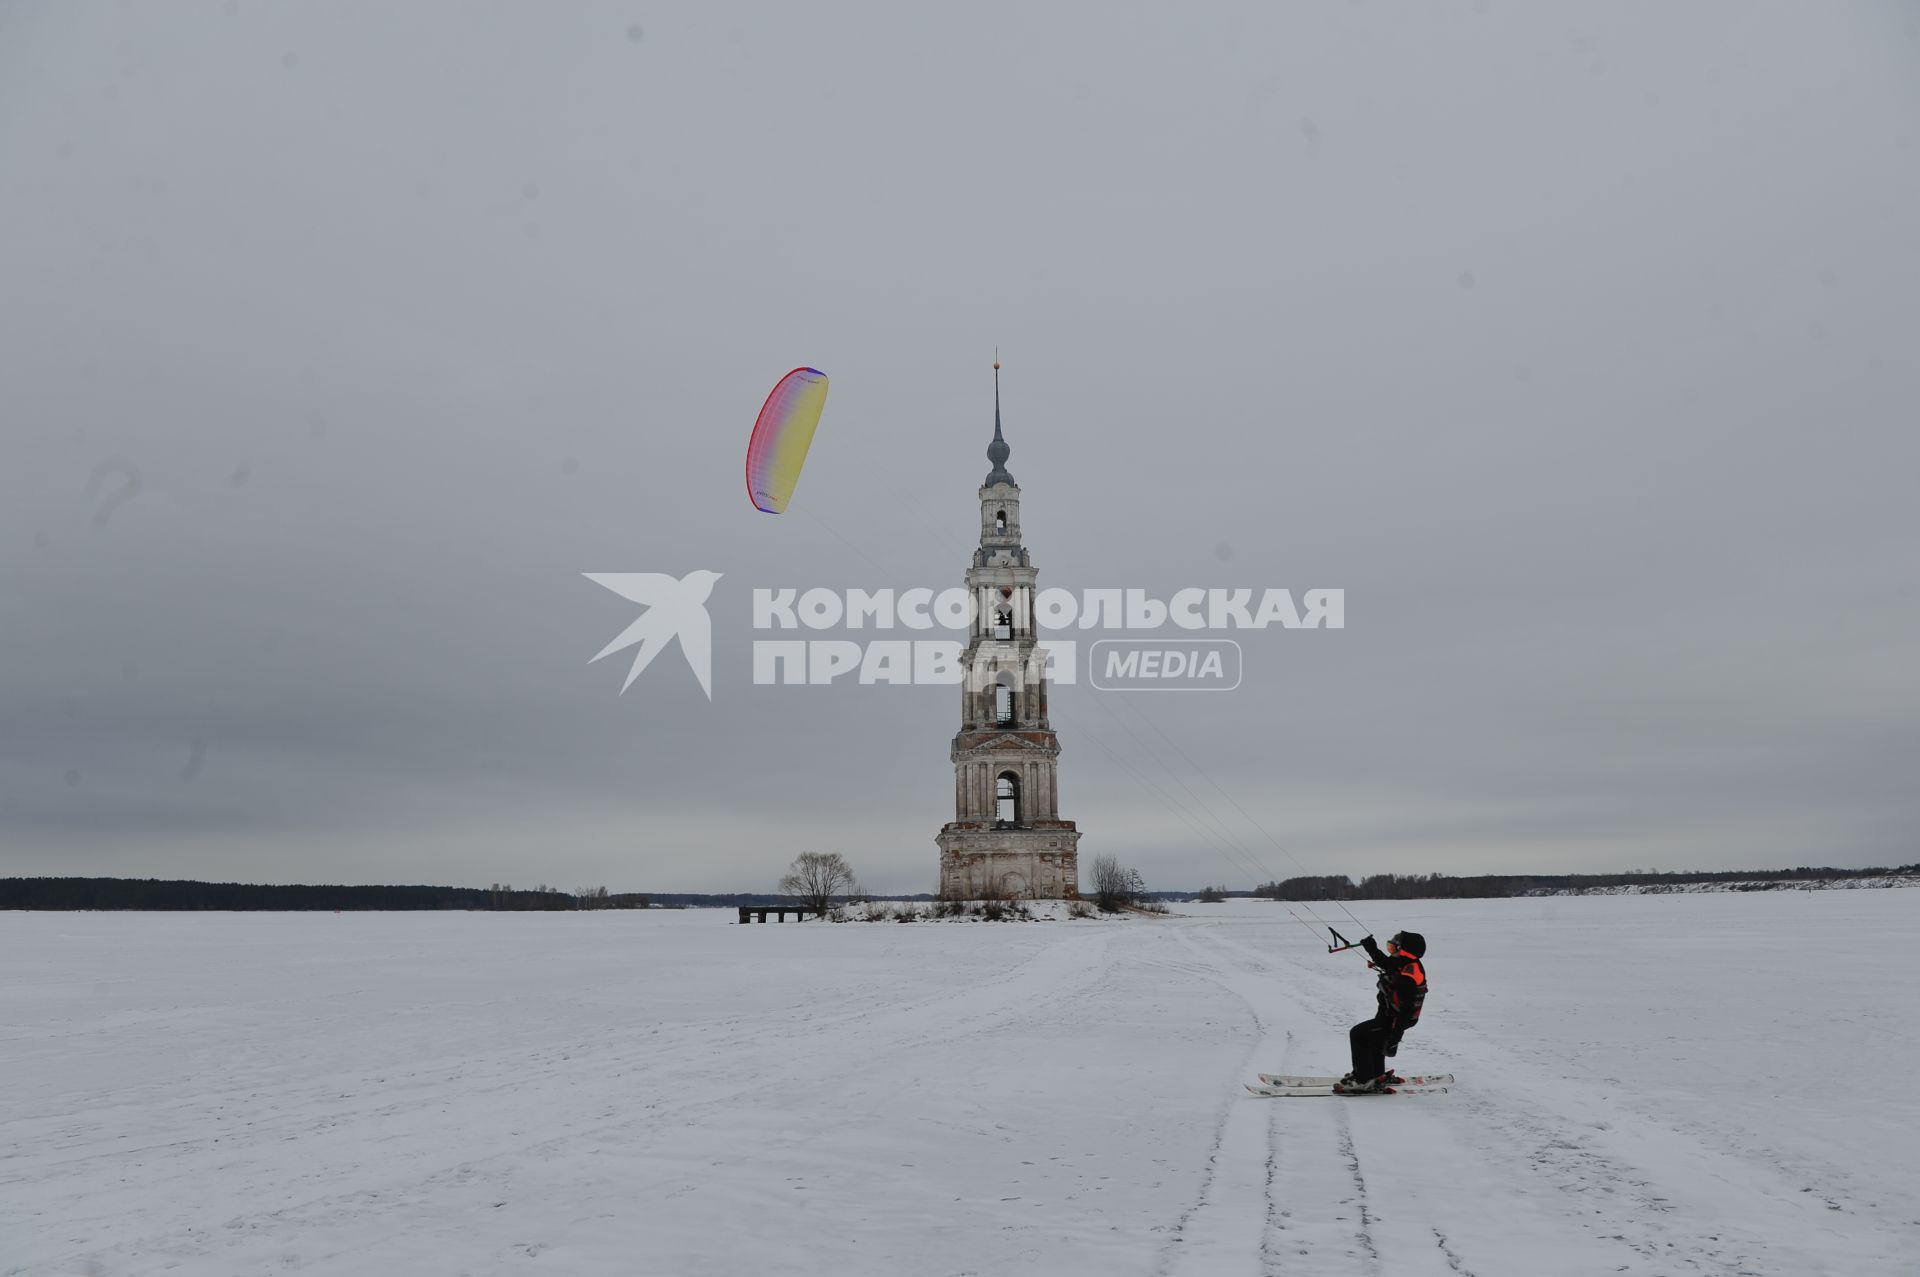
{"points": [[1657, 1084]]}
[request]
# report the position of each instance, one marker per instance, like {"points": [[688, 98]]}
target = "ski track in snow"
{"points": [[214, 1094], [1561, 1150]]}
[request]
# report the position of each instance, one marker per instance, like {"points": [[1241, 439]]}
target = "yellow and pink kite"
{"points": [[782, 436]]}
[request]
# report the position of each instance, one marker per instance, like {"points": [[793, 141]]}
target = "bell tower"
{"points": [[1006, 837]]}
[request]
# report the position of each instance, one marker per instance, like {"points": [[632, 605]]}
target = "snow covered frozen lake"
{"points": [[1676, 1084]]}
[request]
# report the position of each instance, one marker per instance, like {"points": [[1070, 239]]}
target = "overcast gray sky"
{"points": [[1575, 342]]}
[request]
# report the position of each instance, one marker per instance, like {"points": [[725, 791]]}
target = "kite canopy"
{"points": [[782, 436]]}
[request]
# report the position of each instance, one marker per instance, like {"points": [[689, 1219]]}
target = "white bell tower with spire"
{"points": [[1006, 837]]}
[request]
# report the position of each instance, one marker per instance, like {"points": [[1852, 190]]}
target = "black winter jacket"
{"points": [[1403, 986]]}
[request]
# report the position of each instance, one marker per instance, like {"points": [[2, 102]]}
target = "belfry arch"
{"points": [[1006, 801]]}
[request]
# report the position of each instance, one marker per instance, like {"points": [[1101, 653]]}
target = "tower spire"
{"points": [[998, 451]]}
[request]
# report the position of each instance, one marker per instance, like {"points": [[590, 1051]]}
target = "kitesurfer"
{"points": [[1402, 989]]}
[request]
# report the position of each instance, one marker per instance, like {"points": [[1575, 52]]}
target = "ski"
{"points": [[1301, 1079], [1301, 1092]]}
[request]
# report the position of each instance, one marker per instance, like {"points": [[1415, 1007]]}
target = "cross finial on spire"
{"points": [[998, 451]]}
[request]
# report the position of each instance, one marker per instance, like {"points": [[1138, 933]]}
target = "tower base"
{"points": [[979, 861]]}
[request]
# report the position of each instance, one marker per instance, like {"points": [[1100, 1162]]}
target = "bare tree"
{"points": [[816, 877], [1115, 888]]}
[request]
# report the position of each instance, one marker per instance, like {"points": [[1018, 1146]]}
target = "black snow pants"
{"points": [[1370, 1040]]}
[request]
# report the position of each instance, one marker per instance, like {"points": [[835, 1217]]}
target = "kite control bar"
{"points": [[1340, 943]]}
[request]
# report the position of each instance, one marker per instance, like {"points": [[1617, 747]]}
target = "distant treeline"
{"points": [[159, 894], [1480, 886], [153, 893]]}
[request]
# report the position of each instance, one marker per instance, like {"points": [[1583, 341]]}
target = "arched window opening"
{"points": [[1003, 706], [1003, 622], [1000, 522], [1006, 795]]}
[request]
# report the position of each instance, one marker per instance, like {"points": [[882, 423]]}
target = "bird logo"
{"points": [[676, 608]]}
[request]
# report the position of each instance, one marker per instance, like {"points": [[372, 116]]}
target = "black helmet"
{"points": [[1412, 941]]}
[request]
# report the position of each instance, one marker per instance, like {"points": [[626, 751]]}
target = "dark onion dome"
{"points": [[998, 451]]}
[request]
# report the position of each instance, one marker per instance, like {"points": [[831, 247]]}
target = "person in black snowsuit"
{"points": [[1403, 988]]}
